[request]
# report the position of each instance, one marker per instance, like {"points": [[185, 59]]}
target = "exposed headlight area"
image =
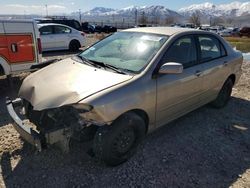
{"points": [[65, 116], [82, 108]]}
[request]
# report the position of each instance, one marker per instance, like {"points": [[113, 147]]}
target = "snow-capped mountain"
{"points": [[98, 11], [149, 10], [208, 9], [129, 13], [161, 15]]}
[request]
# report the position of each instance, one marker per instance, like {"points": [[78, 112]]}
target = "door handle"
{"points": [[14, 48], [198, 73]]}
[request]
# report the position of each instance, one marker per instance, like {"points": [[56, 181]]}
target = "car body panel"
{"points": [[162, 97], [177, 93], [67, 87]]}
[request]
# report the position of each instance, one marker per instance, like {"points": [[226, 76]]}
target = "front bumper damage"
{"points": [[23, 127], [28, 132]]}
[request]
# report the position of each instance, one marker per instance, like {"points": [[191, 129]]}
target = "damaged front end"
{"points": [[52, 126]]}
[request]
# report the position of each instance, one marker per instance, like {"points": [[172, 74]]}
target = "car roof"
{"points": [[160, 30], [17, 20], [48, 24]]}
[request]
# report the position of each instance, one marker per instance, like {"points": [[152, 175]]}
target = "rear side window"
{"points": [[61, 30], [182, 51], [46, 30], [210, 48]]}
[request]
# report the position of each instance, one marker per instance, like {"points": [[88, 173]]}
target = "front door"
{"points": [[178, 94], [47, 37]]}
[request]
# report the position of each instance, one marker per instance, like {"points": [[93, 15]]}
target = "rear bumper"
{"points": [[23, 127]]}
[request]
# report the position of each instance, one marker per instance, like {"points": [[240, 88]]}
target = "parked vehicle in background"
{"points": [[124, 87], [225, 33], [109, 29], [60, 37], [20, 46], [88, 28], [230, 32], [245, 32], [235, 32], [71, 22], [214, 30], [98, 28]]}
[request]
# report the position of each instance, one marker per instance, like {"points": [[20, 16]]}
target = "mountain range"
{"points": [[129, 14], [232, 9]]}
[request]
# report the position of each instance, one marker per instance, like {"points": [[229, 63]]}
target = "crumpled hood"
{"points": [[66, 82]]}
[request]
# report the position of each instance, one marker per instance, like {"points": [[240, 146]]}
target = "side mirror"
{"points": [[171, 68]]}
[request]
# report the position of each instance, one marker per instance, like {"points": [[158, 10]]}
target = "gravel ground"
{"points": [[206, 148]]}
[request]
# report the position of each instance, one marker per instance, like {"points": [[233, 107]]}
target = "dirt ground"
{"points": [[206, 148]]}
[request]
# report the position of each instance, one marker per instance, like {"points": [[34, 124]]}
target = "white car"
{"points": [[226, 33], [60, 37]]}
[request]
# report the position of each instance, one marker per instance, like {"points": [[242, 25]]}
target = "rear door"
{"points": [[214, 59], [61, 35]]}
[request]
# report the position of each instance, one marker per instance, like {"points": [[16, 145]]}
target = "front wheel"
{"points": [[224, 94], [116, 144]]}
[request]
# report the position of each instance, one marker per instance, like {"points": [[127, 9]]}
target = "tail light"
{"points": [[39, 45]]}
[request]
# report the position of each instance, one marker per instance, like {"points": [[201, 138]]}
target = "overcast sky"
{"points": [[64, 6]]}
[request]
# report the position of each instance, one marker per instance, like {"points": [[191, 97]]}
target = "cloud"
{"points": [[32, 9]]}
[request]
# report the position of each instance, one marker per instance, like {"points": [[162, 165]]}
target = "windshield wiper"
{"points": [[104, 65], [86, 61], [112, 67]]}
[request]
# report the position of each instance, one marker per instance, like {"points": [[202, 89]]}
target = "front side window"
{"points": [[182, 51], [46, 30], [61, 30], [210, 48], [126, 50]]}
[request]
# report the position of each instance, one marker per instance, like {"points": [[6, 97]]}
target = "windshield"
{"points": [[129, 51]]}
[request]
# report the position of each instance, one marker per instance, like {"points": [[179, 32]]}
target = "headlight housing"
{"points": [[83, 108]]}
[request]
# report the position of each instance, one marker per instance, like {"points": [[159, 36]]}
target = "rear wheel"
{"points": [[74, 45], [224, 94], [1, 71], [116, 144]]}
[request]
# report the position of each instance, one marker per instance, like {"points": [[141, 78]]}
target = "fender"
{"points": [[5, 66]]}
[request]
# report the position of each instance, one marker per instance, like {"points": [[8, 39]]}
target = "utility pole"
{"points": [[46, 7], [113, 18], [136, 15], [24, 14], [80, 16]]}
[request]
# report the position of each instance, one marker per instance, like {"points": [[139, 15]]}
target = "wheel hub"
{"points": [[125, 141]]}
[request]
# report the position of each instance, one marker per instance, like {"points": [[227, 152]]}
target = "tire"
{"points": [[1, 71], [224, 94], [115, 144], [74, 46]]}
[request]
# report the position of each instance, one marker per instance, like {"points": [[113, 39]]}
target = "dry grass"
{"points": [[242, 44]]}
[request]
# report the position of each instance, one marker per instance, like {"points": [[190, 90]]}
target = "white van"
{"points": [[20, 46]]}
